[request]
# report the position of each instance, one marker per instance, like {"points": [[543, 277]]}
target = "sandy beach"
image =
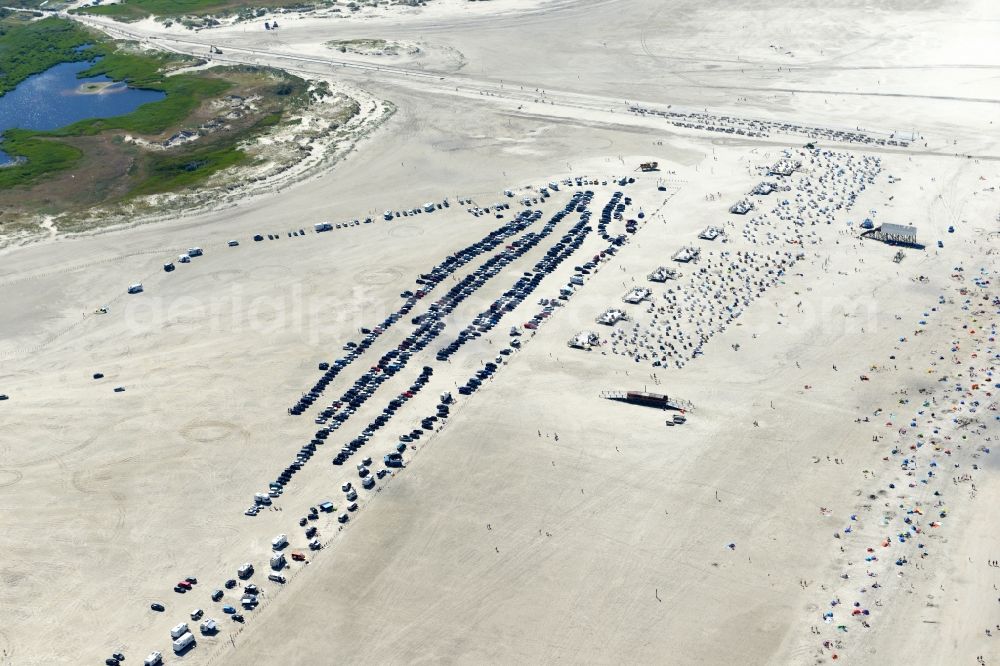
{"points": [[828, 496]]}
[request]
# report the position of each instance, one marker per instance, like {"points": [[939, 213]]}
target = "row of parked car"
{"points": [[182, 636], [427, 281], [382, 419], [428, 326], [557, 254], [613, 209], [510, 299], [193, 252], [429, 207], [388, 365], [478, 211], [394, 361]]}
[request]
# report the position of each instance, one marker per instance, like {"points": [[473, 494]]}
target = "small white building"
{"points": [[637, 295], [612, 316], [584, 340], [784, 167], [711, 233], [662, 274], [686, 254], [764, 188], [741, 207]]}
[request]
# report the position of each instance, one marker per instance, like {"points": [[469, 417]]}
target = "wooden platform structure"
{"points": [[646, 399], [894, 234]]}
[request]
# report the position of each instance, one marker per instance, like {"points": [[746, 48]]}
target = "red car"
{"points": [[186, 585], [531, 325]]}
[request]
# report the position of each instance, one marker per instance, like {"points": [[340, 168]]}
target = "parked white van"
{"points": [[184, 642]]}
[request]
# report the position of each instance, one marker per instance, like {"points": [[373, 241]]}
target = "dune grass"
{"points": [[37, 157], [169, 173]]}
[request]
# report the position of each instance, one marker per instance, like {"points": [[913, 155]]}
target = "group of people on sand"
{"points": [[688, 316], [726, 283], [889, 536]]}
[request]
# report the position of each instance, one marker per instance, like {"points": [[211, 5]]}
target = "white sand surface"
{"points": [[542, 523]]}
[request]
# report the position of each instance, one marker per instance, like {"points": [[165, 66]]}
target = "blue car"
{"points": [[229, 610]]}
